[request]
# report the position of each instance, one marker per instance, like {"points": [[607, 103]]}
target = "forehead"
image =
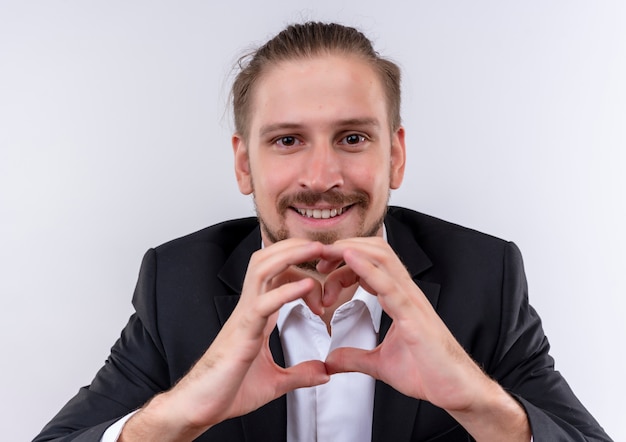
{"points": [[318, 90]]}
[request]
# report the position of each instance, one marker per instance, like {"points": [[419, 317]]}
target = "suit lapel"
{"points": [[234, 269], [394, 413], [270, 421]]}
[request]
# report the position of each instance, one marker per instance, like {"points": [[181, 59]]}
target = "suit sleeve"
{"points": [[523, 366], [134, 372]]}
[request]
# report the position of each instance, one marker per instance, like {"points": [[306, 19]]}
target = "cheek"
{"points": [[277, 182], [371, 179], [271, 182]]}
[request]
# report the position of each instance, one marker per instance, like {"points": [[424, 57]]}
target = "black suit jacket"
{"points": [[187, 289]]}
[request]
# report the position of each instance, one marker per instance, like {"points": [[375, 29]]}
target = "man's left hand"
{"points": [[419, 356]]}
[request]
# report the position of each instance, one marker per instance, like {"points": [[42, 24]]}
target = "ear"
{"points": [[398, 158], [242, 165]]}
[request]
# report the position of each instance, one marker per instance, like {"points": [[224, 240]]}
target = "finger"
{"points": [[272, 301], [290, 274], [336, 249], [283, 254], [377, 252], [304, 374], [349, 359], [336, 281], [380, 270], [369, 264], [267, 263], [312, 298], [394, 287], [325, 266]]}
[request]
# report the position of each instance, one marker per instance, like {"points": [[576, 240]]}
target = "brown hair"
{"points": [[308, 40]]}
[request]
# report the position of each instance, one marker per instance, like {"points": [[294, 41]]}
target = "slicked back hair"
{"points": [[309, 40]]}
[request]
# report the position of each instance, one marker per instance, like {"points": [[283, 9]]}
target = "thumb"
{"points": [[349, 359], [304, 374]]}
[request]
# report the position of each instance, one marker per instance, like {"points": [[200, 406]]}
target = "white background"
{"points": [[115, 137]]}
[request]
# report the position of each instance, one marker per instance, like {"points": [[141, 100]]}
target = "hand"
{"points": [[419, 356], [237, 374]]}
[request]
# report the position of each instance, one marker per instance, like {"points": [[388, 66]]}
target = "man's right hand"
{"points": [[237, 374]]}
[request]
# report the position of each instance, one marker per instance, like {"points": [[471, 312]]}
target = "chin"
{"points": [[324, 237]]}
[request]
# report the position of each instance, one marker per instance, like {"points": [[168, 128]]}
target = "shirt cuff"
{"points": [[113, 432]]}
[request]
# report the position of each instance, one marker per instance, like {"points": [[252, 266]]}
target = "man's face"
{"points": [[320, 157]]}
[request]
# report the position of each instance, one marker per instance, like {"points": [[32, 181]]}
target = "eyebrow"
{"points": [[348, 122]]}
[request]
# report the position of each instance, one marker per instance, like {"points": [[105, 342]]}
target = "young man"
{"points": [[399, 325]]}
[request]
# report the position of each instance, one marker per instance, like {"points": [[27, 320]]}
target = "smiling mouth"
{"points": [[321, 213]]}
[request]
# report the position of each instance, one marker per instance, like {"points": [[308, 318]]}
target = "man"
{"points": [[332, 317]]}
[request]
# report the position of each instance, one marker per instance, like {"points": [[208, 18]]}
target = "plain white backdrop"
{"points": [[115, 137]]}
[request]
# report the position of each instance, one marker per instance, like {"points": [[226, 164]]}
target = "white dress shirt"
{"points": [[340, 410], [113, 432]]}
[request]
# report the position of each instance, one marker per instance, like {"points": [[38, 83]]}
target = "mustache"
{"points": [[331, 197]]}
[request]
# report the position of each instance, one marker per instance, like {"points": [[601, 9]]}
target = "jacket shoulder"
{"points": [[224, 236], [423, 227], [446, 244]]}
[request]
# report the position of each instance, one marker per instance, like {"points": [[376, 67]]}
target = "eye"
{"points": [[352, 139], [287, 141]]}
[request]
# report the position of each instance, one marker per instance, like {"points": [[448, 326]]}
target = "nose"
{"points": [[322, 169]]}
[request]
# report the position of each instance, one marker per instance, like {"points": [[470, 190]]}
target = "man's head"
{"points": [[318, 139]]}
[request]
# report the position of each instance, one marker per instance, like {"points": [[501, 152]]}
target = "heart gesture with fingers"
{"points": [[418, 357]]}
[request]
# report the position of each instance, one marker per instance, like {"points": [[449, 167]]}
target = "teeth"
{"points": [[320, 213]]}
